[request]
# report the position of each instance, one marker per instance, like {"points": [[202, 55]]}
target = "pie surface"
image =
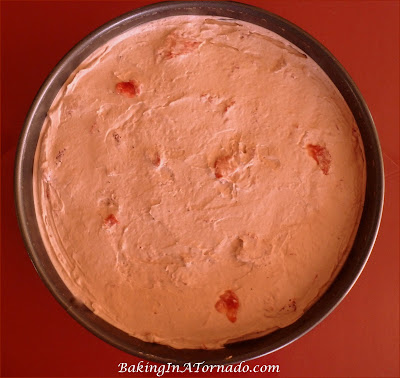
{"points": [[198, 181]]}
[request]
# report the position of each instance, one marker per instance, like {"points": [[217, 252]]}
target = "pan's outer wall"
{"points": [[241, 351]]}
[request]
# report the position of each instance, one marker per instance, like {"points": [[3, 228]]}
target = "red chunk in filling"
{"points": [[176, 45], [229, 105], [110, 221], [224, 166], [156, 160], [321, 155], [127, 88], [228, 304]]}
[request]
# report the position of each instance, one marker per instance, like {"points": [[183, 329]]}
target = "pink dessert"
{"points": [[198, 182]]}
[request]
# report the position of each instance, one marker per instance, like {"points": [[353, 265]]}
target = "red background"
{"points": [[360, 338]]}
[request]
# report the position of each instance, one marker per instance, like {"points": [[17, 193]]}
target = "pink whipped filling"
{"points": [[198, 181]]}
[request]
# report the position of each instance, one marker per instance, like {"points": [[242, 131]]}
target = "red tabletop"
{"points": [[359, 339]]}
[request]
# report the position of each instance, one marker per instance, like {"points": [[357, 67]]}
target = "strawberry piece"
{"points": [[110, 221], [127, 88], [228, 304], [177, 45], [321, 155], [229, 105], [156, 160], [224, 166]]}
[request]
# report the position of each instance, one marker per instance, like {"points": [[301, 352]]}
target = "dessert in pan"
{"points": [[198, 181]]}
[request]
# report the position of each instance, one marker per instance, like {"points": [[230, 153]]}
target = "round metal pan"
{"points": [[239, 351]]}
